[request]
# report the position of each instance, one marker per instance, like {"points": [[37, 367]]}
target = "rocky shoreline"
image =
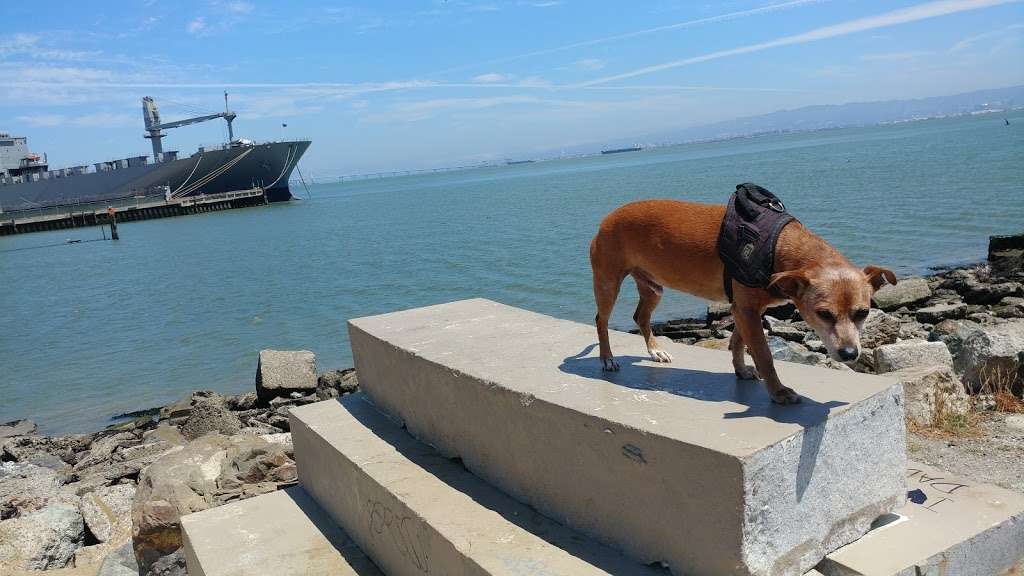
{"points": [[109, 502]]}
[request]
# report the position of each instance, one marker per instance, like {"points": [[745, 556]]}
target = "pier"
{"points": [[125, 210]]}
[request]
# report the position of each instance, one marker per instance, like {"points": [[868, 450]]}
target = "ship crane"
{"points": [[151, 116]]}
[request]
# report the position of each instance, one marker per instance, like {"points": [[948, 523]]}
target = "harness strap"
{"points": [[753, 221]]}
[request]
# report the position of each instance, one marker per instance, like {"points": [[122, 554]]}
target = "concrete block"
{"points": [[283, 533], [949, 526], [416, 512], [679, 463], [281, 372]]}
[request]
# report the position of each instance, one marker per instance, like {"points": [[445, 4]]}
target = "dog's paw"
{"points": [[785, 396], [747, 373], [659, 355], [609, 365]]}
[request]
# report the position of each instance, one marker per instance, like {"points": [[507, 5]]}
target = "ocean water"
{"points": [[96, 329]]}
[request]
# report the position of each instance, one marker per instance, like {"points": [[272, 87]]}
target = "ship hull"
{"points": [[226, 169]]}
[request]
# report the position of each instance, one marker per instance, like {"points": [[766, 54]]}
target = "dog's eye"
{"points": [[860, 315], [826, 315]]}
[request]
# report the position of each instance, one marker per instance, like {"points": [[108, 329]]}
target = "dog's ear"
{"points": [[791, 283], [877, 276]]}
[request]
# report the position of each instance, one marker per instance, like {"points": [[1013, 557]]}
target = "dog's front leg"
{"points": [[739, 360], [748, 324]]}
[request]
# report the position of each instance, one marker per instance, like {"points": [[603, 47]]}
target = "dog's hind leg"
{"points": [[650, 294], [606, 290]]}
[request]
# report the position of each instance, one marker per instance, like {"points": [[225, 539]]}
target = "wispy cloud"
{"points": [[894, 56], [590, 64], [83, 121], [28, 45], [1001, 33], [196, 26], [239, 7], [617, 37], [902, 16], [491, 77]]}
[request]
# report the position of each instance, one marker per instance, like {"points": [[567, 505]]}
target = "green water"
{"points": [[95, 329]]}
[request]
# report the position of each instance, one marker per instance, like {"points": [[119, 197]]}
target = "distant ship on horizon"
{"points": [[27, 182], [621, 150]]}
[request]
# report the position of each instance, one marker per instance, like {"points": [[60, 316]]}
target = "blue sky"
{"points": [[393, 85]]}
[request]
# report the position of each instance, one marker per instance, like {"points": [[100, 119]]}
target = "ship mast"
{"points": [[151, 118]]}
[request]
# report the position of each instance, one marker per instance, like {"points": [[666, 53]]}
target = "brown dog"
{"points": [[671, 243]]}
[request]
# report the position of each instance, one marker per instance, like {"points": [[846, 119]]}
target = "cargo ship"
{"points": [[28, 183], [621, 150]]}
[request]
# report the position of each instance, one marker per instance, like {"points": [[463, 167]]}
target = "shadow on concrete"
{"points": [[454, 474], [706, 386], [360, 563]]}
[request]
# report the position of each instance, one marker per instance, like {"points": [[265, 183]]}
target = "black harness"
{"points": [[746, 242]]}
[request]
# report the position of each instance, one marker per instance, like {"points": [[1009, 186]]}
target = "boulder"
{"points": [[1009, 307], [788, 331], [120, 562], [17, 428], [1006, 255], [209, 471], [900, 356], [101, 449], [939, 312], [40, 540], [930, 391], [992, 356], [718, 310], [25, 488], [241, 402], [793, 352], [210, 415], [905, 293], [179, 483], [108, 511], [280, 373], [879, 329], [56, 453]]}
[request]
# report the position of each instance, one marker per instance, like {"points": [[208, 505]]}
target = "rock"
{"points": [[879, 329], [210, 416], [165, 433], [178, 411], [930, 391], [993, 356], [120, 562], [714, 344], [787, 331], [241, 402], [785, 311], [26, 488], [992, 293], [792, 352], [56, 453], [179, 483], [17, 428], [905, 293], [209, 471], [718, 310], [100, 451], [939, 312], [1006, 255], [1015, 421], [280, 373], [170, 565], [1009, 307], [892, 357], [282, 438], [108, 510], [41, 540]]}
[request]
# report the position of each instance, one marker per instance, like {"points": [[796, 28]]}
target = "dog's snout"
{"points": [[848, 353]]}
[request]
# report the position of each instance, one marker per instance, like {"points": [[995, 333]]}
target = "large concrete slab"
{"points": [[415, 512], [679, 463], [949, 526], [282, 533]]}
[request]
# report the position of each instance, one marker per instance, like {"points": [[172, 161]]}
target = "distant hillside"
{"points": [[835, 116]]}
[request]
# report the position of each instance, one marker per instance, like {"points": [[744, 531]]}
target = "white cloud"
{"points": [[590, 64], [547, 4], [902, 16], [41, 119], [491, 78], [239, 7], [1001, 33], [197, 25]]}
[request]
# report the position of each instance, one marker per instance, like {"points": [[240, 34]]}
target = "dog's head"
{"points": [[834, 301]]}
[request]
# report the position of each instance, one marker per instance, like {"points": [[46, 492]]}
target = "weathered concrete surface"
{"points": [[680, 463], [949, 527], [283, 533], [415, 512], [281, 372], [911, 354]]}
